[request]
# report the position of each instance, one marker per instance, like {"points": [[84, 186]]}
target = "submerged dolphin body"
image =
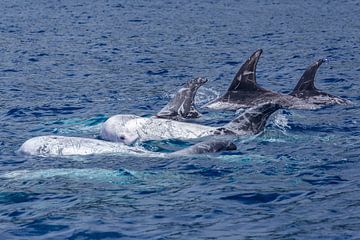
{"points": [[70, 146], [244, 92], [129, 128], [93, 174]]}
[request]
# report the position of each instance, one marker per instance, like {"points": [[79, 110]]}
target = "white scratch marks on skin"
{"points": [[247, 73]]}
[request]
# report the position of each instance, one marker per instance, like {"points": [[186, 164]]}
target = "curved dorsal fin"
{"points": [[306, 82], [253, 119], [245, 78], [181, 106]]}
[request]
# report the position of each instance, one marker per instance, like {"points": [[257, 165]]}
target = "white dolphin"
{"points": [[69, 146]]}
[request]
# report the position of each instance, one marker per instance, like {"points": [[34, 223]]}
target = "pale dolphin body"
{"points": [[244, 92], [71, 146], [52, 145], [129, 128]]}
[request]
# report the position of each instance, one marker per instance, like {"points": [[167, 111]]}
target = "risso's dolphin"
{"points": [[306, 90], [244, 92], [71, 146], [129, 128], [181, 106]]}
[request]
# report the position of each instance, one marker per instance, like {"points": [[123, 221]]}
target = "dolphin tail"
{"points": [[211, 146], [307, 80], [253, 119], [245, 78], [181, 106]]}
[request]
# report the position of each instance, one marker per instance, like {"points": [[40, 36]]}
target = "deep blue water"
{"points": [[65, 66]]}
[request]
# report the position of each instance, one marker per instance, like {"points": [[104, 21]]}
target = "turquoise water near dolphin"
{"points": [[66, 66]]}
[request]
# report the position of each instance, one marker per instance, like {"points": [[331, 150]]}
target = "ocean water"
{"points": [[66, 66]]}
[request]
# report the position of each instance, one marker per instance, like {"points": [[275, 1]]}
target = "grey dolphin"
{"points": [[244, 91], [181, 106], [305, 88]]}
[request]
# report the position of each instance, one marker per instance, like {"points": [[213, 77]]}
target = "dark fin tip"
{"points": [[321, 61], [258, 52]]}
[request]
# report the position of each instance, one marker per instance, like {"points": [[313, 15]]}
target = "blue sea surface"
{"points": [[66, 66]]}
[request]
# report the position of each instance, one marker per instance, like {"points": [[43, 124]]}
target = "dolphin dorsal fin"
{"points": [[307, 80], [245, 78], [181, 106], [253, 119]]}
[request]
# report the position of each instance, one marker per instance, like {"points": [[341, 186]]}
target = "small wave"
{"points": [[160, 72], [16, 197], [205, 95], [262, 198], [10, 70], [93, 174], [42, 111], [282, 122], [97, 235], [317, 180], [213, 172]]}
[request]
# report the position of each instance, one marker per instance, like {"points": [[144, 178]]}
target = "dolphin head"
{"points": [[115, 129], [127, 137]]}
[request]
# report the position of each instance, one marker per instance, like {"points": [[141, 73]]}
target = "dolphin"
{"points": [[181, 106], [306, 90], [52, 145], [131, 128], [244, 92]]}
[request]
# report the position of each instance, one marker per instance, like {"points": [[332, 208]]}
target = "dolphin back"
{"points": [[253, 120]]}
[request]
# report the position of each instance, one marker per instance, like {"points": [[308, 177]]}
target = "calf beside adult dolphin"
{"points": [[244, 91]]}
